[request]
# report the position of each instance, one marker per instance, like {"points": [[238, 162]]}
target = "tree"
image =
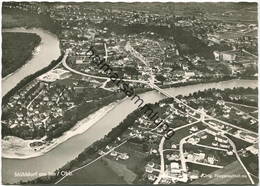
{"points": [[160, 78]]}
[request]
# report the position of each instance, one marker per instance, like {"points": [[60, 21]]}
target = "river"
{"points": [[68, 150], [49, 50]]}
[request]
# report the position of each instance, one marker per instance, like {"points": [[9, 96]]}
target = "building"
{"points": [[113, 153], [151, 164], [151, 177], [54, 75], [79, 60], [148, 169], [123, 156], [189, 74], [195, 174], [212, 131], [213, 39], [193, 140], [253, 149], [230, 153], [202, 135], [194, 129], [175, 167], [199, 156], [221, 139], [227, 146], [224, 56], [250, 137], [220, 102], [211, 160], [227, 56]]}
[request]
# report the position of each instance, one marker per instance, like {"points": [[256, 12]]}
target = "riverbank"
{"points": [[49, 51], [17, 148], [71, 148], [14, 17], [11, 147], [37, 48], [18, 49]]}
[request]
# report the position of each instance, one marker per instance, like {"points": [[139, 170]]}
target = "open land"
{"points": [[148, 48], [18, 48]]}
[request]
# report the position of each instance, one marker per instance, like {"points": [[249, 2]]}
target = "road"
{"points": [[152, 85], [210, 147], [183, 140], [241, 105], [162, 169], [93, 160], [160, 47], [178, 128], [206, 116], [235, 108], [98, 77], [104, 85], [136, 54], [34, 99], [183, 161], [206, 164], [106, 56], [238, 158], [243, 50], [139, 56], [224, 131]]}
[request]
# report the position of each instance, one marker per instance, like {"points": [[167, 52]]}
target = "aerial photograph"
{"points": [[129, 93]]}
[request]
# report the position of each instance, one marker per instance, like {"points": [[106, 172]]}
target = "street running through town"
{"points": [[121, 83]]}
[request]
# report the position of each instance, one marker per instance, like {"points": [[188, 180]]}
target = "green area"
{"points": [[83, 108], [18, 18], [185, 9], [89, 175], [17, 49], [138, 149], [91, 152], [232, 169], [19, 86], [243, 108]]}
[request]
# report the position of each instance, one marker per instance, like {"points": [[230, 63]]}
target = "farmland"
{"points": [[100, 167], [234, 170]]}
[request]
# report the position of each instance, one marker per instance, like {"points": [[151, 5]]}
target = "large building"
{"points": [[54, 75], [224, 56], [221, 139], [212, 131]]}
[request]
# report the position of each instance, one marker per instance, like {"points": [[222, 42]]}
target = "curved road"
{"points": [[97, 77], [240, 161]]}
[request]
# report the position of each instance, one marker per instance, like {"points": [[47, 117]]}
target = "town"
{"points": [[213, 130]]}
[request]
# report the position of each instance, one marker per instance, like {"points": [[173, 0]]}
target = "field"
{"points": [[96, 173], [252, 97], [251, 163], [17, 50], [254, 114], [137, 158], [111, 170], [239, 143], [181, 134], [12, 20], [243, 108], [201, 168], [231, 170], [221, 156], [221, 10], [121, 170], [18, 18]]}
